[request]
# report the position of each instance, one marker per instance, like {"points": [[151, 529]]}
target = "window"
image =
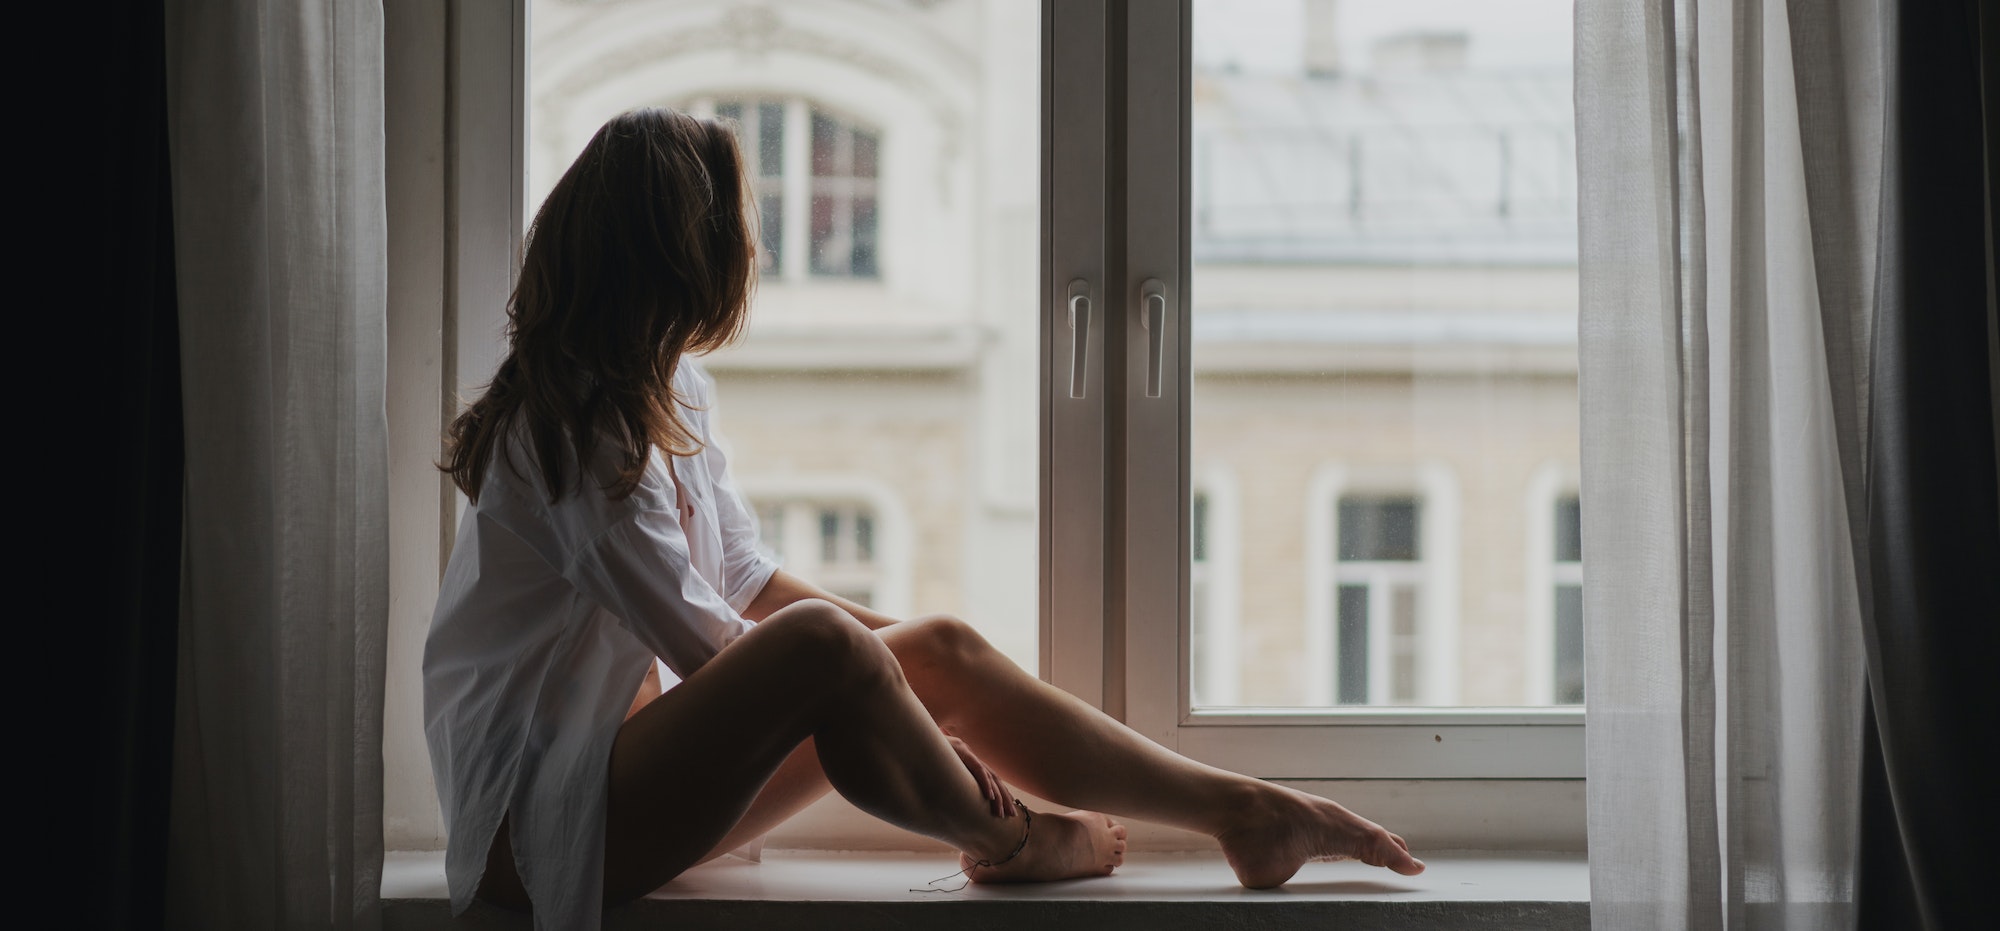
{"points": [[832, 543], [1379, 582], [813, 173], [1124, 395], [1348, 238]]}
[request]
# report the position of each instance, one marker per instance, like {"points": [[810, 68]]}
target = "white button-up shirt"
{"points": [[548, 618]]}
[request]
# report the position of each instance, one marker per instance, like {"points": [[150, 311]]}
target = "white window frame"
{"points": [[1434, 486]]}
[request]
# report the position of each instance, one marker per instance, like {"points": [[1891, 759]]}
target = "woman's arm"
{"points": [[785, 588]]}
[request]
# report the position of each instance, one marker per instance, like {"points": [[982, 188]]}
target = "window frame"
{"points": [[1434, 486], [1114, 618], [1135, 662]]}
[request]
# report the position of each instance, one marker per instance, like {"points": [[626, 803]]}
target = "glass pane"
{"points": [[835, 397], [829, 536], [771, 139], [864, 538], [857, 596], [1201, 653], [826, 145], [1569, 645], [1198, 527], [771, 230], [1352, 650], [771, 531], [1383, 297], [1569, 530], [862, 258], [832, 238], [1403, 645], [1378, 529], [864, 155]]}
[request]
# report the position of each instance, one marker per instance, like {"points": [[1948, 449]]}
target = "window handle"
{"points": [[1153, 316], [1079, 336]]}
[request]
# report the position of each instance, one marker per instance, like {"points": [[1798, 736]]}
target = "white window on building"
{"points": [[1379, 579], [1566, 574], [814, 175], [829, 543]]}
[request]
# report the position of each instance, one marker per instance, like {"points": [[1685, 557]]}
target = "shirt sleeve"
{"points": [[639, 570], [746, 569]]}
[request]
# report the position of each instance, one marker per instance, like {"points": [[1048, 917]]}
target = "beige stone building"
{"points": [[1384, 298]]}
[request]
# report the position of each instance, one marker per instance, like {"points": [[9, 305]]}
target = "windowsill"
{"points": [[1152, 890]]}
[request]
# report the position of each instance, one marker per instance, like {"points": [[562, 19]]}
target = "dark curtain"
{"points": [[1929, 813], [126, 418]]}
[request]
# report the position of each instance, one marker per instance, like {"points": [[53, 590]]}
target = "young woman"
{"points": [[603, 532]]}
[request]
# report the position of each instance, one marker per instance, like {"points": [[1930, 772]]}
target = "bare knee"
{"points": [[941, 642], [828, 642]]}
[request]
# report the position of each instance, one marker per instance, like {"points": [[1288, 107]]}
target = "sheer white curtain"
{"points": [[1730, 164], [275, 140]]}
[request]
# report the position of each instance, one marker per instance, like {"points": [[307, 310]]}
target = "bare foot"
{"points": [[1071, 846], [1281, 830]]}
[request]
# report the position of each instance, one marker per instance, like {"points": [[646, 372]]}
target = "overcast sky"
{"points": [[1265, 35]]}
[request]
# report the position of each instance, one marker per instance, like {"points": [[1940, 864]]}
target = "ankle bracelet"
{"points": [[1027, 828]]}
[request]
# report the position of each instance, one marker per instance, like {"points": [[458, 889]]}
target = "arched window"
{"points": [[814, 175]]}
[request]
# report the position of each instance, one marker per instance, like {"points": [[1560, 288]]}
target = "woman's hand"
{"points": [[997, 796]]}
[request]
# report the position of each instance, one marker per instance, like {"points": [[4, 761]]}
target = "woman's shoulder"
{"points": [[517, 475]]}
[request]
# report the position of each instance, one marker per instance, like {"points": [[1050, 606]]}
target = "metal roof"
{"points": [[1417, 166]]}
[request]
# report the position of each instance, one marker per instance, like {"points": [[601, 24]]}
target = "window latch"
{"points": [[1079, 336], [1153, 316]]}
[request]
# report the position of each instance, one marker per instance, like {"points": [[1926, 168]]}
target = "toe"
{"points": [[1118, 831], [1396, 856]]}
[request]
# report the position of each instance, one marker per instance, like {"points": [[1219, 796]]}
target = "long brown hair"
{"points": [[642, 253]]}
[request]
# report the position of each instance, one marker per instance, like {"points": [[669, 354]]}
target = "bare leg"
{"points": [[1056, 746], [687, 766]]}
